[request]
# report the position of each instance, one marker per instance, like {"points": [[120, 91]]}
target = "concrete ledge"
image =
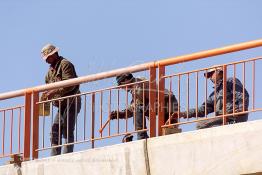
{"points": [[10, 170], [231, 149], [113, 160]]}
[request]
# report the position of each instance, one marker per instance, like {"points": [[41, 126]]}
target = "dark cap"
{"points": [[210, 71], [123, 77]]}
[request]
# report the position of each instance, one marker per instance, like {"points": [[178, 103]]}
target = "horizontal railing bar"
{"points": [[89, 140], [210, 53], [12, 108], [136, 68], [76, 81], [9, 155], [91, 92], [209, 118], [207, 68]]}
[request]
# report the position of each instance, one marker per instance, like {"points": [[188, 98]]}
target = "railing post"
{"points": [[152, 101], [224, 94], [93, 120], [161, 98], [27, 125], [35, 125]]}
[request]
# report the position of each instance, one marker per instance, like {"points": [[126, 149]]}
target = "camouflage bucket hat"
{"points": [[48, 50]]}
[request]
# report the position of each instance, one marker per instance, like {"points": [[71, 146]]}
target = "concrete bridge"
{"points": [[230, 149]]}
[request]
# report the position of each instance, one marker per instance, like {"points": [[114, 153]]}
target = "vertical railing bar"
{"points": [[19, 129], [206, 95], [85, 117], [187, 109], [43, 129], [67, 120], [215, 92], [59, 123], [118, 128], [52, 113], [27, 125], [143, 105], [11, 131], [3, 138], [109, 111], [35, 125], [126, 107], [244, 84], [253, 84], [169, 100], [224, 94], [197, 95], [234, 88], [52, 117], [178, 104], [152, 101], [101, 112], [161, 98], [93, 120], [134, 110], [76, 121]]}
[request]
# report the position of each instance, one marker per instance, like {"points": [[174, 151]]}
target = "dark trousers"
{"points": [[64, 127], [140, 122]]}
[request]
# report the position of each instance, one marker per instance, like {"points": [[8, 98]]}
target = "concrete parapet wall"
{"points": [[232, 149], [113, 160], [10, 170]]}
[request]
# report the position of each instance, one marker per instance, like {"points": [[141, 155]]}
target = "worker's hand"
{"points": [[167, 122], [113, 115], [172, 118], [49, 94], [183, 115]]}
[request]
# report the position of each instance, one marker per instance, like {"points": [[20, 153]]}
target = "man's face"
{"points": [[126, 82], [51, 59], [216, 76]]}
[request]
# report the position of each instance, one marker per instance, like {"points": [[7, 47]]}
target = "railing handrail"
{"points": [[136, 68]]}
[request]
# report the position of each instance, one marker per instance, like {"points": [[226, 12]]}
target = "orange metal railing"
{"points": [[230, 67], [95, 128], [11, 136]]}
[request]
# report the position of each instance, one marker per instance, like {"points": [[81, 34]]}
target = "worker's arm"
{"points": [[202, 110], [128, 112]]}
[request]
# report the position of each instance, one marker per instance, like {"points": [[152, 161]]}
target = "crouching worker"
{"points": [[140, 102], [214, 103]]}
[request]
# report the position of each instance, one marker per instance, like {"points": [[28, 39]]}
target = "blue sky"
{"points": [[103, 35]]}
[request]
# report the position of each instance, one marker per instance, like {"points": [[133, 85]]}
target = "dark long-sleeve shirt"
{"points": [[218, 109], [63, 70]]}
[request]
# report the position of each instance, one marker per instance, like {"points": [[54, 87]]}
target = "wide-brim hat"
{"points": [[48, 50], [210, 71]]}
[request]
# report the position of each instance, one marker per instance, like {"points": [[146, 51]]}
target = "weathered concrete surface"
{"points": [[228, 150], [233, 149], [113, 160], [10, 170]]}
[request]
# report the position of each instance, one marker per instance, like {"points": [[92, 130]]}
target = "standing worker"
{"points": [[68, 109]]}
